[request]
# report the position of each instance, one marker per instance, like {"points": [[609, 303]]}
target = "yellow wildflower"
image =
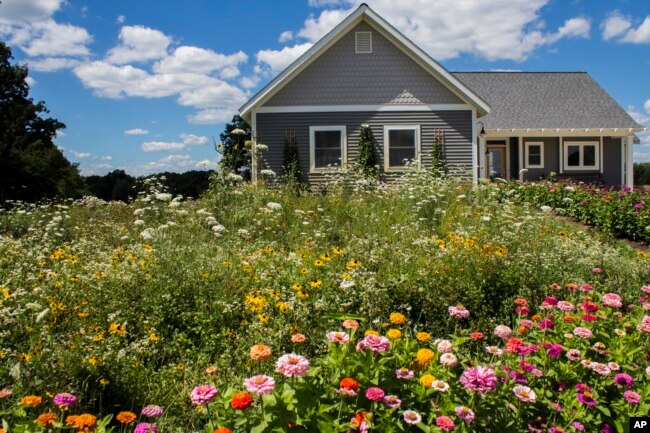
{"points": [[117, 329], [397, 319], [154, 337], [424, 357], [337, 251], [315, 283]]}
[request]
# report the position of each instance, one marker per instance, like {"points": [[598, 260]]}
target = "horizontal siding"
{"points": [[457, 125], [339, 76], [551, 158]]}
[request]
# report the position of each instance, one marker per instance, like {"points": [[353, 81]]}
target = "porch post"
{"points": [[629, 162], [561, 154], [481, 157], [475, 158], [520, 143], [254, 146]]}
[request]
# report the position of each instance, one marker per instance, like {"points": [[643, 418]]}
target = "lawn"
{"points": [[126, 306]]}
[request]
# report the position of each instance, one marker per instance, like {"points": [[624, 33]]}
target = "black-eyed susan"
{"points": [[283, 307], [302, 294], [326, 257], [297, 287], [304, 271], [337, 251], [315, 283], [263, 318], [353, 264], [318, 263], [117, 329], [154, 337]]}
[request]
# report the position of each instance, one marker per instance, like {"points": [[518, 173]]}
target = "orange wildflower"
{"points": [[126, 417], [222, 430], [83, 423]]}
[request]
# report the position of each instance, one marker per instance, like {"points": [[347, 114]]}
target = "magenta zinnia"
{"points": [[445, 423], [145, 427], [375, 394], [203, 394], [292, 365], [479, 379], [376, 343], [64, 399], [260, 384]]}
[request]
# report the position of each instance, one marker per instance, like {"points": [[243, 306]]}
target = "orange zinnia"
{"points": [[222, 430], [241, 400], [349, 383], [126, 417], [260, 352], [31, 400], [46, 419], [83, 423]]}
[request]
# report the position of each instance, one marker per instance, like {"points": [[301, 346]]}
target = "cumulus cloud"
{"points": [[191, 139], [51, 39], [212, 115], [647, 106], [620, 27], [315, 28], [197, 60], [30, 81], [79, 155], [277, 60], [285, 36], [27, 10], [136, 131], [249, 82], [51, 64], [162, 146], [139, 44], [120, 19], [640, 35]]}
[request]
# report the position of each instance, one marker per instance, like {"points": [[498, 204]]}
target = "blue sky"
{"points": [[145, 85]]}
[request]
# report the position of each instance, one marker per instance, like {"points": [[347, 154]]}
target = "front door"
{"points": [[496, 161]]}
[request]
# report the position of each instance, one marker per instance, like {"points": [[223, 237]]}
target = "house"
{"points": [[485, 124]]}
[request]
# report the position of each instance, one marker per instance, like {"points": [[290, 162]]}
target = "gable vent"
{"points": [[363, 42]]}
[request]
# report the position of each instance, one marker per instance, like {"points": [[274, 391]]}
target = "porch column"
{"points": [[629, 161], [561, 154], [481, 157], [254, 146]]}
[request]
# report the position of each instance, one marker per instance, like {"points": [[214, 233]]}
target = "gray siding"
{"points": [[342, 77], [551, 158], [611, 161], [457, 126], [514, 158]]}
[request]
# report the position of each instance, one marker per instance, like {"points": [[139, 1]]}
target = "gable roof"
{"points": [[364, 13], [551, 100]]}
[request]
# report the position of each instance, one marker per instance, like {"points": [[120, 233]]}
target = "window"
{"points": [[363, 42], [535, 154], [401, 145], [326, 147], [581, 155]]}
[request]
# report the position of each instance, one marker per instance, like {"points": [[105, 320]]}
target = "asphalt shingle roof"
{"points": [[545, 100]]}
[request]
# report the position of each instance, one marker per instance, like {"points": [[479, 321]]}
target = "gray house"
{"points": [[485, 124]]}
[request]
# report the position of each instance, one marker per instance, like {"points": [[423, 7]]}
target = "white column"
{"points": [[475, 157], [520, 142], [629, 162], [623, 146], [254, 146], [600, 150], [561, 155], [481, 157]]}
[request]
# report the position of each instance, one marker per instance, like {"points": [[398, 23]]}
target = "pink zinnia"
{"points": [[565, 306], [644, 326], [646, 288], [479, 379], [375, 394], [412, 417], [145, 427], [632, 397], [338, 337], [444, 346], [596, 270], [600, 368], [404, 373], [503, 331], [525, 394], [203, 394], [64, 399], [292, 365], [465, 413], [624, 379], [260, 384], [392, 401], [582, 332], [445, 423], [546, 323], [458, 312], [448, 360], [152, 411], [612, 300], [376, 343]]}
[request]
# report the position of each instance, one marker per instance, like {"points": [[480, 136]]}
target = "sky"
{"points": [[147, 85]]}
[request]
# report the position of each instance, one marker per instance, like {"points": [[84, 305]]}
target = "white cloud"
{"points": [[285, 36], [106, 158], [60, 133], [162, 146], [644, 136], [615, 25], [647, 106], [449, 28], [640, 35], [95, 169], [229, 72], [79, 155], [174, 163], [139, 44], [249, 82], [51, 39], [322, 3], [51, 64], [120, 19], [197, 60], [213, 94], [212, 115], [30, 81], [136, 131], [641, 118], [191, 139], [277, 60], [27, 10]]}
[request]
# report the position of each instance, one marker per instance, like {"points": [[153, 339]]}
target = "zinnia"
{"points": [[525, 394], [397, 319], [222, 430], [84, 422], [632, 397], [612, 300], [152, 411], [126, 417], [31, 400], [412, 417], [464, 413], [64, 399], [444, 346], [644, 326], [338, 337], [292, 365], [260, 352], [582, 332], [406, 374], [448, 360], [624, 379], [260, 384], [424, 357], [349, 383], [241, 401], [46, 419], [375, 394], [458, 312], [145, 427], [445, 423], [203, 394], [392, 401], [479, 379], [376, 343], [503, 332]]}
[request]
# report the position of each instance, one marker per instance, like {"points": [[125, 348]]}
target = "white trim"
{"points": [[506, 155], [364, 13], [312, 147], [520, 144], [560, 159], [581, 167], [629, 162], [564, 132], [356, 42], [623, 141], [602, 163], [388, 128], [345, 108], [541, 149], [254, 146], [476, 165]]}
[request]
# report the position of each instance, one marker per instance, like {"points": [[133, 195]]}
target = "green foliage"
{"points": [[642, 173], [235, 153], [292, 173], [366, 162], [194, 284], [437, 156], [31, 166]]}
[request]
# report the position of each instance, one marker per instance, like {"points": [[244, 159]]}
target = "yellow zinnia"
{"points": [[394, 334], [427, 380], [423, 336], [424, 357], [397, 319]]}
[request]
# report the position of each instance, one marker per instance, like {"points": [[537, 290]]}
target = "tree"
{"points": [[235, 147], [31, 166]]}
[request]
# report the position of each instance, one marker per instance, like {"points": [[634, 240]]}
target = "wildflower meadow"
{"points": [[424, 305]]}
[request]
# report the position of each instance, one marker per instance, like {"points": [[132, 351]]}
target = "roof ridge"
{"points": [[519, 72]]}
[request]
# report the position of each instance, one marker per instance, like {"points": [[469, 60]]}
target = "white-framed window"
{"points": [[581, 155], [534, 154], [327, 147], [363, 42], [401, 146]]}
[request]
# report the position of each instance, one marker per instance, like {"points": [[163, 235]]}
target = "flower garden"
{"points": [[426, 305]]}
